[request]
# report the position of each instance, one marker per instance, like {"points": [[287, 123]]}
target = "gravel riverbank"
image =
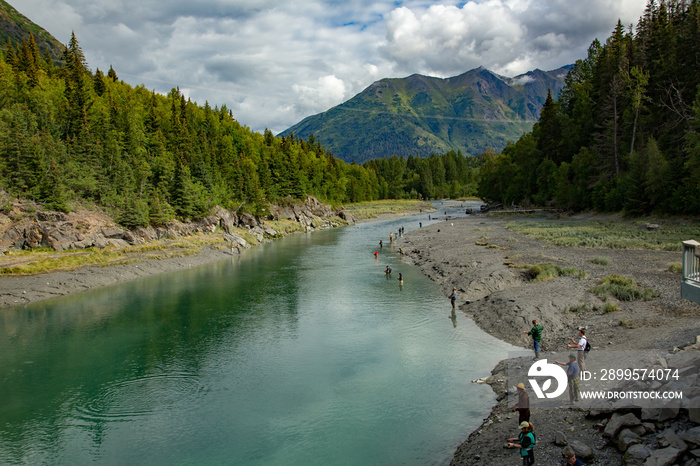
{"points": [[477, 256]]}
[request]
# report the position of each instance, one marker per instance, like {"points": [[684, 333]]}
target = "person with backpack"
{"points": [[526, 442], [580, 347], [536, 332]]}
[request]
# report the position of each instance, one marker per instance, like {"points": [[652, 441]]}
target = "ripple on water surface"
{"points": [[141, 396]]}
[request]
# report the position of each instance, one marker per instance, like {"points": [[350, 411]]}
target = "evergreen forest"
{"points": [[70, 136], [624, 134]]}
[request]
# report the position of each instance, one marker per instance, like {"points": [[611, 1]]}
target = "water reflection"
{"points": [[295, 353]]}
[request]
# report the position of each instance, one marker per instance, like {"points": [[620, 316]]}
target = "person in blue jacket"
{"points": [[571, 460]]}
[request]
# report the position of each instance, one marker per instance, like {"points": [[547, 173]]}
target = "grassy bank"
{"points": [[610, 233], [372, 209], [43, 260]]}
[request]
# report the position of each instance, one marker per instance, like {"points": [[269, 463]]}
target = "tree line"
{"points": [[69, 136], [624, 134]]}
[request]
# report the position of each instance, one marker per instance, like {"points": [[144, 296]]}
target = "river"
{"points": [[298, 352]]}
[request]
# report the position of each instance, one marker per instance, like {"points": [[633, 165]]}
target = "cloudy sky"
{"points": [[274, 62]]}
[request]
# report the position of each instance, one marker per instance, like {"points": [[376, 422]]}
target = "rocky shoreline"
{"points": [[476, 255], [27, 226]]}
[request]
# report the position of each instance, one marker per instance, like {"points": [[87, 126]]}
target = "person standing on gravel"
{"points": [[527, 441], [536, 332], [580, 347], [523, 404], [572, 372]]}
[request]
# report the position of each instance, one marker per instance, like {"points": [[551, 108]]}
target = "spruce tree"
{"points": [[99, 83], [112, 74], [10, 55]]}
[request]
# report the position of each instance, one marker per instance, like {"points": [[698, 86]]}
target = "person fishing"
{"points": [[580, 347], [572, 374], [523, 404], [526, 442]]}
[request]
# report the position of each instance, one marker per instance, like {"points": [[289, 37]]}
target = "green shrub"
{"points": [[676, 267], [572, 272], [579, 308], [624, 322], [546, 271], [623, 288], [601, 261], [610, 307], [608, 234]]}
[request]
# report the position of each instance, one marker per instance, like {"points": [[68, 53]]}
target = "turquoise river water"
{"points": [[298, 352]]}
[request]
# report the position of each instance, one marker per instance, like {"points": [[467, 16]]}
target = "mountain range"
{"points": [[422, 115], [15, 27], [417, 115]]}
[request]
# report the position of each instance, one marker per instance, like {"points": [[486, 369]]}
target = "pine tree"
{"points": [[10, 55], [98, 82], [549, 133], [32, 61], [159, 212], [76, 90], [183, 197], [75, 58], [112, 74]]}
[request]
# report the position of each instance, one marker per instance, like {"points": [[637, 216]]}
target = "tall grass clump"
{"points": [[547, 271], [64, 262], [676, 267], [608, 234], [600, 261], [610, 307], [372, 209], [622, 288]]}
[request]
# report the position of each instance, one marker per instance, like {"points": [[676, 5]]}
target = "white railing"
{"points": [[690, 286]]}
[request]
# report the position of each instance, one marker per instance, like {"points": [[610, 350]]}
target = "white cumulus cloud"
{"points": [[274, 62]]}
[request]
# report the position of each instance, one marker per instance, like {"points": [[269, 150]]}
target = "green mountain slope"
{"points": [[16, 27], [422, 115]]}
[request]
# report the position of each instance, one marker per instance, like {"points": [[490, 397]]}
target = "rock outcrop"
{"points": [[27, 226]]}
